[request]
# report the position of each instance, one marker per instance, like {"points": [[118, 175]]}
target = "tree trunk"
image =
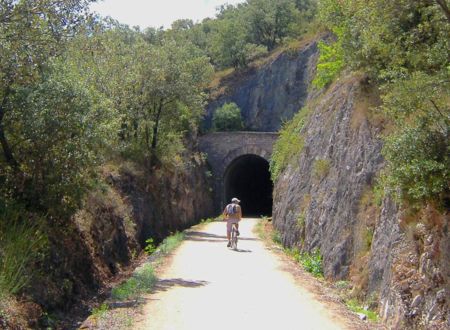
{"points": [[155, 134]]}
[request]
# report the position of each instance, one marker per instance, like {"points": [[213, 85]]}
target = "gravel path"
{"points": [[208, 286]]}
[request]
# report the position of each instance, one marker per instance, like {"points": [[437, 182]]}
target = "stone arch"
{"points": [[242, 151], [245, 174], [223, 148]]}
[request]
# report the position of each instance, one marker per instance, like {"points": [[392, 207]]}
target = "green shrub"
{"points": [[150, 247], [294, 253], [22, 243], [207, 220], [368, 238], [289, 144], [418, 161], [171, 243], [276, 237], [331, 61], [312, 262], [401, 46], [144, 278], [354, 306], [228, 118], [100, 311], [321, 168], [142, 281], [301, 220]]}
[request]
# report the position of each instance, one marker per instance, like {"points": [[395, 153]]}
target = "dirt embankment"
{"points": [[101, 242]]}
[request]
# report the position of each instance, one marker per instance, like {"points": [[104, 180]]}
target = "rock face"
{"points": [[324, 199], [320, 209], [271, 94], [169, 200], [409, 268]]}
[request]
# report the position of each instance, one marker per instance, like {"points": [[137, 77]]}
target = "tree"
{"points": [[403, 47], [168, 85], [61, 129], [182, 25], [32, 33], [269, 21], [228, 118], [229, 44], [418, 151]]}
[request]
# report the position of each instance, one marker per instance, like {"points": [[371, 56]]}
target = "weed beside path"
{"points": [[119, 311], [307, 269]]}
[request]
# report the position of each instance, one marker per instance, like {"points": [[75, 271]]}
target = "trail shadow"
{"points": [[164, 285], [212, 238], [160, 285], [242, 251]]}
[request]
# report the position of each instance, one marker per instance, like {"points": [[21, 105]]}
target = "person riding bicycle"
{"points": [[232, 214]]}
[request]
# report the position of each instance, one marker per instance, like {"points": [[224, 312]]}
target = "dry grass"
{"points": [[18, 315], [366, 106], [228, 77], [359, 275], [289, 47], [218, 76], [363, 231]]}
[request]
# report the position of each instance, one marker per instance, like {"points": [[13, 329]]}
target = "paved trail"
{"points": [[207, 286]]}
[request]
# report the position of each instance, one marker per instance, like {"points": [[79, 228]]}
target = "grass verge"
{"points": [[312, 263], [130, 293], [142, 282], [354, 306]]}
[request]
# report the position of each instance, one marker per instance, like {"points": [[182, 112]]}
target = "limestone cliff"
{"points": [[272, 92], [324, 199]]}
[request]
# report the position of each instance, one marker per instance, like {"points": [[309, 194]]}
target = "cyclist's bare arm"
{"points": [[225, 214]]}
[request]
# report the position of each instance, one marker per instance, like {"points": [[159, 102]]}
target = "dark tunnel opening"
{"points": [[248, 178]]}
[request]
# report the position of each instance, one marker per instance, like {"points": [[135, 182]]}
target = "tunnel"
{"points": [[248, 179]]}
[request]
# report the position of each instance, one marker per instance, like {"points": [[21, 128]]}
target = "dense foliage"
{"points": [[228, 118], [74, 93], [289, 144], [244, 32], [77, 91], [403, 46]]}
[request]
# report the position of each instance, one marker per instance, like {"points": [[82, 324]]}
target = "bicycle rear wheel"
{"points": [[234, 238]]}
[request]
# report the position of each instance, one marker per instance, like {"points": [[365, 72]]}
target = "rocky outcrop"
{"points": [[397, 262], [103, 238], [272, 93], [319, 207], [170, 200], [409, 268]]}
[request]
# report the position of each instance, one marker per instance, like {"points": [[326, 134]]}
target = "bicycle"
{"points": [[234, 236]]}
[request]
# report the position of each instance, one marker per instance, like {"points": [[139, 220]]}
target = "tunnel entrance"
{"points": [[248, 178]]}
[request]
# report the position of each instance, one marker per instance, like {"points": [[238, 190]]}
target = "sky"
{"points": [[156, 13]]}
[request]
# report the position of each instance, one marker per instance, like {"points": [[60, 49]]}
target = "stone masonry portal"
{"points": [[239, 163]]}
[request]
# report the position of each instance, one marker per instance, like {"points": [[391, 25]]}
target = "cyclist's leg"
{"points": [[235, 236], [229, 232]]}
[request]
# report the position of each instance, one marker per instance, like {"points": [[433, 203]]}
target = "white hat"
{"points": [[235, 200]]}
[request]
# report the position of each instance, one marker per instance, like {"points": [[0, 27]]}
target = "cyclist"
{"points": [[232, 214]]}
